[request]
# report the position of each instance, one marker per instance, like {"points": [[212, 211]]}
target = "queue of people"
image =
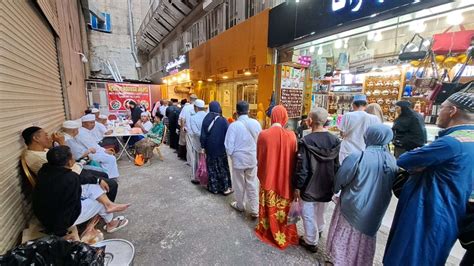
{"points": [[271, 168], [267, 170]]}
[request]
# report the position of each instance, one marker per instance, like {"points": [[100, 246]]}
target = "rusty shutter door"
{"points": [[30, 94]]}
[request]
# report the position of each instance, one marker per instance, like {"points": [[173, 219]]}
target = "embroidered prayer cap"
{"points": [[103, 117], [71, 124], [88, 118], [145, 114], [199, 103], [193, 96], [360, 97], [94, 110], [463, 100]]}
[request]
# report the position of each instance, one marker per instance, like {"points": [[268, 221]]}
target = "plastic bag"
{"points": [[53, 250], [294, 215], [201, 172]]}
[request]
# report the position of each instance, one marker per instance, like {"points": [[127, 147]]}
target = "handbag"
{"points": [[452, 42], [418, 53], [448, 88], [424, 83]]}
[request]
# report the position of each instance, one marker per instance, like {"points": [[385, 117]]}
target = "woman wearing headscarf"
{"points": [[153, 138], [213, 131], [365, 180], [276, 156], [135, 112], [375, 109], [408, 129]]}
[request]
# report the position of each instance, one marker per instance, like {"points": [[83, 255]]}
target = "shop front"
{"points": [[177, 82], [234, 66], [388, 50]]}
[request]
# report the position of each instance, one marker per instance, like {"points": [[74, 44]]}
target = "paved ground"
{"points": [[173, 222]]}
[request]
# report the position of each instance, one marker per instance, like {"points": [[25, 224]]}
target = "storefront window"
{"points": [[366, 60]]}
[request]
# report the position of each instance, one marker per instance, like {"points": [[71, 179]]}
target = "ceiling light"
{"points": [[174, 78], [454, 18], [209, 80], [338, 44], [311, 49], [165, 81], [247, 73], [378, 37], [200, 81], [370, 35], [225, 77]]}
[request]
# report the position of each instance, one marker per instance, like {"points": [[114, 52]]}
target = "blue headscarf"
{"points": [[366, 179]]}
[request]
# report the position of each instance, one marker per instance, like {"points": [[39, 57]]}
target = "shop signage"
{"points": [[334, 16], [120, 94], [291, 91], [178, 64]]}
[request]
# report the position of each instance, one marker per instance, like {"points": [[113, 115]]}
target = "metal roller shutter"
{"points": [[30, 94]]}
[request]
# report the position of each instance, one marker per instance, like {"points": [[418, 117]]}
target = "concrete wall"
{"points": [[115, 46]]}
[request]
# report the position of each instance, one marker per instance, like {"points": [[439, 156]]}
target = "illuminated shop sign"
{"points": [[353, 5], [178, 64], [322, 18]]}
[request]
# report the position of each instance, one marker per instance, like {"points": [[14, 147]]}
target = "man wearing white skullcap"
{"points": [[88, 140], [437, 201], [144, 123], [195, 125]]}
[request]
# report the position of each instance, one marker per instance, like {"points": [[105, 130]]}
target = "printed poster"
{"points": [[120, 94]]}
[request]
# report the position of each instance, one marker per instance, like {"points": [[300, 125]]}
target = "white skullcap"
{"points": [[103, 117], [71, 124], [145, 114], [94, 110], [88, 118], [199, 103]]}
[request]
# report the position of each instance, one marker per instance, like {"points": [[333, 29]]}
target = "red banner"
{"points": [[120, 94]]}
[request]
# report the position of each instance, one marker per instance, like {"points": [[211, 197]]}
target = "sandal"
{"points": [[228, 192], [122, 222], [234, 205]]}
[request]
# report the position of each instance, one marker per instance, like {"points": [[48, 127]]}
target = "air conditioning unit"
{"points": [[209, 5]]}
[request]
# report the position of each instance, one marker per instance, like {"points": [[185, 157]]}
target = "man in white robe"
{"points": [[195, 125], [87, 139]]}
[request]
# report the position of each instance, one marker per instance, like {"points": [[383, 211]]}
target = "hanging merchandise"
{"points": [[448, 88], [452, 42], [412, 51], [343, 61], [362, 60], [427, 81]]}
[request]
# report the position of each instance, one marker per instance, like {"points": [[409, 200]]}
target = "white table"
{"points": [[123, 144]]}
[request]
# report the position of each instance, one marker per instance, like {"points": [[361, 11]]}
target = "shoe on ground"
{"points": [[195, 182], [308, 247], [234, 205]]}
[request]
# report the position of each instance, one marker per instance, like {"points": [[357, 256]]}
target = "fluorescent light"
{"points": [[454, 18], [378, 37], [311, 49]]}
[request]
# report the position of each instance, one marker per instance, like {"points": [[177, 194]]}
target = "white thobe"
{"points": [[195, 136], [241, 145], [87, 139], [99, 131]]}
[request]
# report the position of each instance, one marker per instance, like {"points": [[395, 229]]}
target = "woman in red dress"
{"points": [[276, 155]]}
